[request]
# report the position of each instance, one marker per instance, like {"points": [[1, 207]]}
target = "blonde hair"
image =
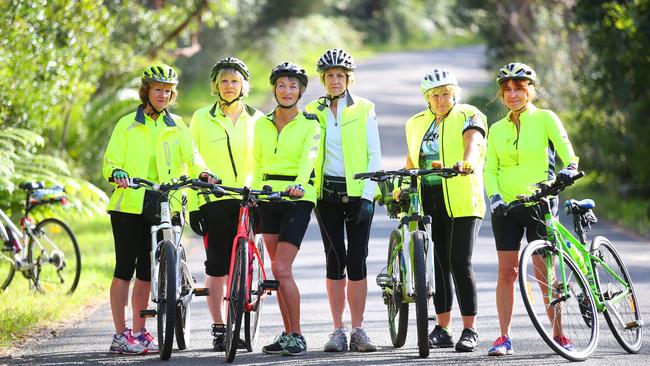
{"points": [[453, 89], [145, 87], [531, 92], [245, 85]]}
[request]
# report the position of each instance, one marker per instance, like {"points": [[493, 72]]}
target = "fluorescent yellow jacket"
{"points": [[463, 194], [517, 160], [354, 120], [226, 148], [291, 152], [131, 150]]}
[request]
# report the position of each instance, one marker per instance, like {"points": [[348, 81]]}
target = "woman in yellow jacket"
{"points": [[449, 133], [286, 146], [154, 144], [223, 133]]}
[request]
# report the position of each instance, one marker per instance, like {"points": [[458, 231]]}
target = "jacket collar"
{"points": [[249, 110], [167, 117], [349, 101]]}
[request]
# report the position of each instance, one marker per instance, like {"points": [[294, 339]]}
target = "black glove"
{"points": [[197, 223], [497, 205], [565, 176], [365, 210]]}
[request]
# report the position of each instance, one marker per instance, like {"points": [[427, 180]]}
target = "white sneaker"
{"points": [[147, 340], [125, 344]]}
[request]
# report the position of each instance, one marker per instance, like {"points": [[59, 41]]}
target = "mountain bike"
{"points": [[172, 284], [408, 276], [565, 281], [46, 252], [247, 285]]}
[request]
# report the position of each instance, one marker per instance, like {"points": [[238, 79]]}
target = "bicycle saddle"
{"points": [[30, 186], [585, 204]]}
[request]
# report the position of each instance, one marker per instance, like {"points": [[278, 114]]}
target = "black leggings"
{"points": [[131, 233], [333, 226], [453, 245]]}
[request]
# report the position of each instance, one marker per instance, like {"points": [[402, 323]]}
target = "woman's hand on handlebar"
{"points": [[121, 178], [464, 167], [209, 178], [295, 191]]}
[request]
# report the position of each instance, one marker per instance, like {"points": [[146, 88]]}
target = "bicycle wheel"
{"points": [[255, 278], [558, 300], [7, 267], [54, 251], [236, 299], [622, 314], [421, 292], [183, 309], [166, 298], [398, 312]]}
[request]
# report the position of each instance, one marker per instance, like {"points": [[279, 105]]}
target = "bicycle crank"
{"points": [[201, 291]]}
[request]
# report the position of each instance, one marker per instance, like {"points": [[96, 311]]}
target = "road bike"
{"points": [[46, 252], [172, 284], [247, 284], [566, 281], [408, 276]]}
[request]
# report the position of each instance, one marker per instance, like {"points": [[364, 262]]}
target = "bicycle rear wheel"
{"points": [[183, 310], [236, 299], [558, 300], [54, 251], [421, 292], [622, 311], [255, 278], [398, 312], [7, 267], [166, 298]]}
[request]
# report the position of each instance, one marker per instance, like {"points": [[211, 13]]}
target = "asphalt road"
{"points": [[392, 81]]}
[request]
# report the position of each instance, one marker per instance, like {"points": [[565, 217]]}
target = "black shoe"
{"points": [[278, 344], [468, 341], [440, 338], [295, 346], [219, 334]]}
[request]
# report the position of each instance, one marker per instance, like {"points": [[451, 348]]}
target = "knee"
{"points": [[281, 270], [508, 274]]}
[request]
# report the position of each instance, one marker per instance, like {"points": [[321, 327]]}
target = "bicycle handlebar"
{"points": [[543, 190], [267, 191], [384, 174]]}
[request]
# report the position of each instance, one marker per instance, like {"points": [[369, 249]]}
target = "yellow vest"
{"points": [[354, 144], [226, 148], [130, 149], [463, 194]]}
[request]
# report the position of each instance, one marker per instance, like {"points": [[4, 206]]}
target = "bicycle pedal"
{"points": [[384, 280], [433, 318], [270, 285], [148, 313], [201, 291], [636, 324]]}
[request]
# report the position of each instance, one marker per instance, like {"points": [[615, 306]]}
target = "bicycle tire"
{"points": [[252, 319], [578, 317], [183, 310], [609, 287], [398, 311], [421, 293], [57, 267], [236, 299], [166, 298], [7, 266]]}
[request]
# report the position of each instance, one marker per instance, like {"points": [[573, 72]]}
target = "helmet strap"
{"points": [[158, 112]]}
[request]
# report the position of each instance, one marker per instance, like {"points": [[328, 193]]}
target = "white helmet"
{"points": [[437, 77]]}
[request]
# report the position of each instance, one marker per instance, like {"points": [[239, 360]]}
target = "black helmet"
{"points": [[335, 57], [289, 69], [230, 63]]}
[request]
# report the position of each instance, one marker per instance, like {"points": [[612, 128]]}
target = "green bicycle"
{"points": [[408, 276], [566, 281]]}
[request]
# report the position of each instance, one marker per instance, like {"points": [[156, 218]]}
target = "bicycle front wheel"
{"points": [[398, 311], [558, 300], [166, 298], [421, 292], [236, 299], [7, 267], [55, 254], [255, 278], [183, 310], [617, 291]]}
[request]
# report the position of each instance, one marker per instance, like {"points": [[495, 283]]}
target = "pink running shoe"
{"points": [[564, 342], [147, 340], [125, 344]]}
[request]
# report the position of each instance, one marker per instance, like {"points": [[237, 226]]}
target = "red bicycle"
{"points": [[247, 282]]}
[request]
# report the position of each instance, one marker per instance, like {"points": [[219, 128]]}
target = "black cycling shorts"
{"points": [[131, 233], [288, 219], [509, 230], [221, 219]]}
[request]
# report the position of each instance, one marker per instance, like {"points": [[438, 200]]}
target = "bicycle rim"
{"points": [[236, 299], [252, 319], [183, 311], [166, 299], [398, 312], [421, 293], [7, 267], [54, 250], [558, 303], [622, 314]]}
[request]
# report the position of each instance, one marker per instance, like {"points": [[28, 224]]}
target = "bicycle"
{"points": [[576, 280], [408, 276], [170, 273], [52, 259], [247, 285]]}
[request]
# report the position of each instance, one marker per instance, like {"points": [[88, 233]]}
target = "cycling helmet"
{"points": [[289, 69], [437, 77], [160, 73], [516, 70], [335, 57], [230, 63]]}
